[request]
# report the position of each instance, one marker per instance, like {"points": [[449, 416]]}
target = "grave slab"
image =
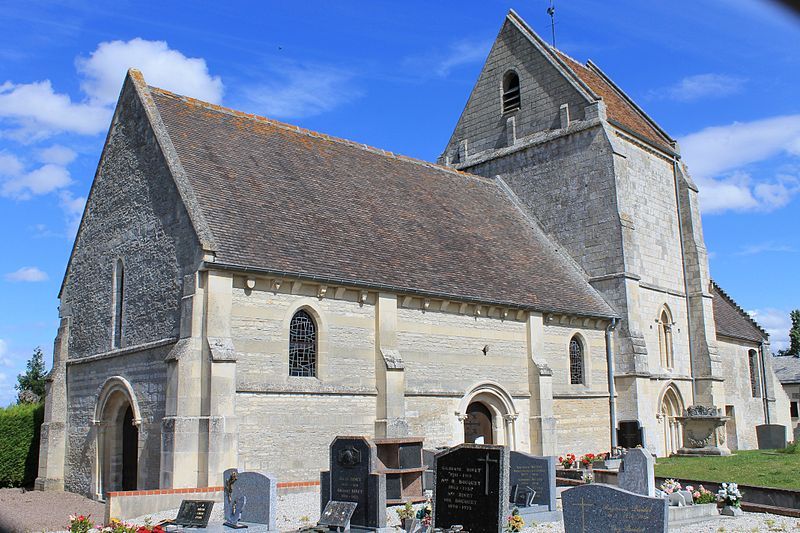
{"points": [[598, 508]]}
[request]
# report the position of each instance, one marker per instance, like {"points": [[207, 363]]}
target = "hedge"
{"points": [[20, 427]]}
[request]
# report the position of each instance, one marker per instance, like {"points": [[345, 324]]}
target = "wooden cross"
{"points": [[583, 505], [486, 461]]}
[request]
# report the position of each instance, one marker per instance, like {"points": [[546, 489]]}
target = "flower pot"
{"points": [[730, 510]]}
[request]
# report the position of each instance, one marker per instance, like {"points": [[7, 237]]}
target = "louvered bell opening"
{"points": [[511, 99]]}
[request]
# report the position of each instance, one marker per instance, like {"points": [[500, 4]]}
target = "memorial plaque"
{"points": [[630, 434], [598, 508], [536, 473], [470, 488], [410, 455], [194, 513], [637, 472], [353, 462], [255, 493], [337, 514]]}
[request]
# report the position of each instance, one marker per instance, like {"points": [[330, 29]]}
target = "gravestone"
{"points": [[255, 495], [771, 436], [353, 478], [687, 497], [598, 508], [630, 434], [194, 513], [637, 472], [471, 488], [531, 474], [337, 514]]}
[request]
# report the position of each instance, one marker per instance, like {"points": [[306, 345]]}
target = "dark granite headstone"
{"points": [[353, 478], [629, 434], [538, 473], [194, 513], [257, 494], [771, 436], [470, 490], [598, 508], [337, 514]]}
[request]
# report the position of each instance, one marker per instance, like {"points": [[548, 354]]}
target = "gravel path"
{"points": [[36, 511]]}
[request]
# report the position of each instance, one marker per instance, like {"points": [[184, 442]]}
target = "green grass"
{"points": [[762, 468]]}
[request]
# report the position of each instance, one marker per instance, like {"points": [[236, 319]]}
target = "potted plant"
{"points": [[731, 499], [79, 524], [587, 460], [701, 495], [567, 461], [515, 522], [669, 486], [406, 514]]}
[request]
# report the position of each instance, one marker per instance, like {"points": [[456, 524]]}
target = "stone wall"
{"points": [[146, 372], [749, 411], [134, 213]]}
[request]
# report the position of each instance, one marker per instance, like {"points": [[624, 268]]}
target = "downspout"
{"points": [[685, 278], [612, 402], [764, 399]]}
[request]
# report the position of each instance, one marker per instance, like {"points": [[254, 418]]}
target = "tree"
{"points": [[32, 381], [794, 335]]}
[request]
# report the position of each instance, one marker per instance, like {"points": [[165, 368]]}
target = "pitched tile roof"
{"points": [[732, 320], [787, 368], [618, 107], [280, 198]]}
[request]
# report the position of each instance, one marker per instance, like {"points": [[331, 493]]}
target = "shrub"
{"points": [[19, 447]]}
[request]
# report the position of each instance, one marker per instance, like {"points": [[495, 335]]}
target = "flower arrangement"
{"points": [[79, 524], [701, 494], [425, 514], [567, 461], [588, 459], [587, 477], [116, 526], [729, 494], [515, 522], [669, 486]]}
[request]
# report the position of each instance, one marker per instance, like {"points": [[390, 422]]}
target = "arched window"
{"points": [[302, 345], [755, 382], [511, 99], [575, 361], [665, 338], [119, 299]]}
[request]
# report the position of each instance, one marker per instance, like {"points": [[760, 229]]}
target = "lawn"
{"points": [[761, 468]]}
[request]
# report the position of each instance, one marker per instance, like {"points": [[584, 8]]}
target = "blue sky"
{"points": [[720, 76]]}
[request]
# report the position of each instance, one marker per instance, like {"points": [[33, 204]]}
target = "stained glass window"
{"points": [[575, 361], [302, 345]]}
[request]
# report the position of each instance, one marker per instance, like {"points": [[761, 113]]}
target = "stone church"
{"points": [[242, 290]]}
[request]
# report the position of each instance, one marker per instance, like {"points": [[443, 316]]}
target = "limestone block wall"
{"points": [[146, 372], [542, 91], [134, 213], [651, 302], [749, 411], [646, 193]]}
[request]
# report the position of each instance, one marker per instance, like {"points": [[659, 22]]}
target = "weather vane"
{"points": [[552, 12]]}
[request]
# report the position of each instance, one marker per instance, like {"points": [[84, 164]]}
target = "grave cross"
{"points": [[486, 462], [583, 505]]}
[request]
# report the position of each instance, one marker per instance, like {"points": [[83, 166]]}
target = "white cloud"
{"points": [[38, 112], [57, 155], [766, 247], [302, 92], [17, 183], [717, 149], [29, 274], [105, 68], [777, 323], [462, 53], [4, 360], [718, 156], [700, 86]]}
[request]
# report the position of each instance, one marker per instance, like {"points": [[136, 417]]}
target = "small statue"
{"points": [[234, 506]]}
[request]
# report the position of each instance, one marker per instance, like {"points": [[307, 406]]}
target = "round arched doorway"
{"points": [[487, 415], [117, 424], [671, 409], [478, 424]]}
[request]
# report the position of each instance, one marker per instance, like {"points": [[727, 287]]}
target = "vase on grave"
{"points": [[730, 510], [703, 431]]}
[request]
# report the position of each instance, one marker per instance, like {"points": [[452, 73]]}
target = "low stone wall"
{"points": [[130, 504]]}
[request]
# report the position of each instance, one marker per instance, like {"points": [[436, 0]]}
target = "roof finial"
{"points": [[552, 12]]}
